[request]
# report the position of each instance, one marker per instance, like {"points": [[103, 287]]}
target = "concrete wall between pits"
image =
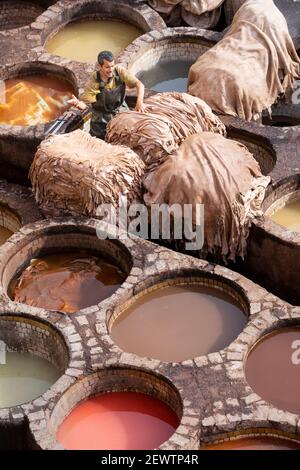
{"points": [[276, 149]]}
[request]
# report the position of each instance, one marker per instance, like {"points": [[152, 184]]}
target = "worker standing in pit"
{"points": [[105, 92]]}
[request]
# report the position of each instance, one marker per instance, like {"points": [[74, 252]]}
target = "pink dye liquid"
{"points": [[118, 421], [273, 369]]}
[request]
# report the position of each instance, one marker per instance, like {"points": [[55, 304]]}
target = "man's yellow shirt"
{"points": [[92, 87]]}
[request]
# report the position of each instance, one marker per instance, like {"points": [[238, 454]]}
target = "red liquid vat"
{"points": [[118, 421]]}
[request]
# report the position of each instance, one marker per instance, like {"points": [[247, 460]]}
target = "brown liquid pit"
{"points": [[273, 369], [67, 282], [255, 443], [5, 233], [178, 323], [33, 99]]}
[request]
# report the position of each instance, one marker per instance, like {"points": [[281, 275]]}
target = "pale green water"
{"points": [[24, 377], [165, 77]]}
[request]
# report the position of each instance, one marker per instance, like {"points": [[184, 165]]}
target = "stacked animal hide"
{"points": [[75, 173], [251, 66], [222, 175], [168, 120]]}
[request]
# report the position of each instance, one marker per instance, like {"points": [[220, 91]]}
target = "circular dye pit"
{"points": [[273, 369], [10, 16], [25, 377], [167, 76], [119, 420], [255, 443], [67, 282], [178, 323], [82, 41], [33, 99], [280, 121], [288, 215]]}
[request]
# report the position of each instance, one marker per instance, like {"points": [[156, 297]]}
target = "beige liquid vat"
{"points": [[178, 323], [289, 216], [82, 41]]}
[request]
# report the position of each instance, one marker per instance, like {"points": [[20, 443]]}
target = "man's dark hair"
{"points": [[105, 55]]}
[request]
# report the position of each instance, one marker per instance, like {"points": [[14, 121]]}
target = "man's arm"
{"points": [[140, 89], [132, 82], [88, 96]]}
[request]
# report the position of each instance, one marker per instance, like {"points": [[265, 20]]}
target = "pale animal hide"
{"points": [[72, 174], [207, 20], [168, 120], [198, 7], [222, 175], [251, 66]]}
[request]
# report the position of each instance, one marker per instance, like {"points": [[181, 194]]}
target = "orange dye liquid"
{"points": [[255, 443], [118, 421], [33, 100]]}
